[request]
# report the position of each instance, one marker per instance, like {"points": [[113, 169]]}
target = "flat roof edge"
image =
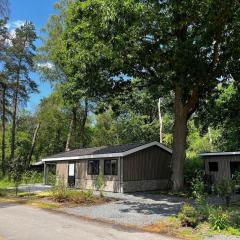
{"points": [[219, 154]]}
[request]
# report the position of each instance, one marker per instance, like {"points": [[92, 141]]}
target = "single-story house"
{"points": [[126, 168], [221, 165]]}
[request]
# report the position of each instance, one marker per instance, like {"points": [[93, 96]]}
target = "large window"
{"points": [[213, 166], [93, 167], [110, 167]]}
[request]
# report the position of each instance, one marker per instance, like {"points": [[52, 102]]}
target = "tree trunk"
{"points": [[179, 141], [3, 128], [14, 115], [33, 143], [83, 122], [69, 134], [160, 121]]}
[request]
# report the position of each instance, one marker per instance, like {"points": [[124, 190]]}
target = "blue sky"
{"points": [[37, 11]]}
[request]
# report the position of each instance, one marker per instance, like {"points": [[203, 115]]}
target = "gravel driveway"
{"points": [[132, 209]]}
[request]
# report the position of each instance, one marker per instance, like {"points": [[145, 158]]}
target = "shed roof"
{"points": [[104, 151], [219, 154]]}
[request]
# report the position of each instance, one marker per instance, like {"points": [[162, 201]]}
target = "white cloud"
{"points": [[45, 65], [15, 24], [12, 25]]}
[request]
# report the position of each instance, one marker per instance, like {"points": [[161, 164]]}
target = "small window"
{"points": [[213, 166], [93, 167], [110, 167]]}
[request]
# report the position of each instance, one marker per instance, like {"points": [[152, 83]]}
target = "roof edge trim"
{"points": [[110, 155]]}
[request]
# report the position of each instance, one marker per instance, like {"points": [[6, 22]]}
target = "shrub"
{"points": [[192, 166], [225, 188], [60, 192], [81, 196], [189, 216], [100, 183], [235, 219], [219, 219]]}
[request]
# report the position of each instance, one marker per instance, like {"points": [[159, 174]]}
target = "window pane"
{"points": [[213, 166], [71, 169], [114, 167], [93, 167], [107, 167]]}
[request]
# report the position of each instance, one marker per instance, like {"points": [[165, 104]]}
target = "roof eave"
{"points": [[219, 154], [110, 155]]}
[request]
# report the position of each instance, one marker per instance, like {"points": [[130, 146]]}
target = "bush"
{"points": [[100, 183], [219, 219], [189, 216], [225, 188], [60, 192], [81, 196], [235, 219], [192, 166]]}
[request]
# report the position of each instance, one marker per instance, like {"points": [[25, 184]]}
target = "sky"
{"points": [[38, 12]]}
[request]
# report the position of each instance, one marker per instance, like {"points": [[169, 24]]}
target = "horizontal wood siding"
{"points": [[223, 166], [148, 164]]}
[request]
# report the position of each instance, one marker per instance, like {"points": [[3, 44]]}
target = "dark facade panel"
{"points": [[147, 164]]}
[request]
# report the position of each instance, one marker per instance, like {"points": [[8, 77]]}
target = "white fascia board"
{"points": [[219, 154], [110, 155]]}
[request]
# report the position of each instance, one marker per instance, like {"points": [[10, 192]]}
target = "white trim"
{"points": [[110, 155], [219, 154]]}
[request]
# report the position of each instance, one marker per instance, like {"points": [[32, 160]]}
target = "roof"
{"points": [[37, 163], [219, 154], [104, 152]]}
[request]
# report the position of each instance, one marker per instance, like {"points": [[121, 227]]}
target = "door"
{"points": [[71, 174]]}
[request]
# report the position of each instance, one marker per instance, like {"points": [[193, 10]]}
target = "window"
{"points": [[110, 167], [213, 166], [93, 167]]}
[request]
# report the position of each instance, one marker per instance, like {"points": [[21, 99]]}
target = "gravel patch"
{"points": [[222, 237], [138, 209]]}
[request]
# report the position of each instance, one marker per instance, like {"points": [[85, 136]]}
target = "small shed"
{"points": [[125, 168], [221, 165]]}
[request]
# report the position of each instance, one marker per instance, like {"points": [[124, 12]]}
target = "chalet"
{"points": [[126, 168]]}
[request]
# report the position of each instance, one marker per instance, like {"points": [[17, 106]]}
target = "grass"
{"points": [[5, 183], [171, 226]]}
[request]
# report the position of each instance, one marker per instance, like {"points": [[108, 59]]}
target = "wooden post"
{"points": [[45, 173]]}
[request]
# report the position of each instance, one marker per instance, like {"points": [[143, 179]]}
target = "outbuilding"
{"points": [[221, 165], [125, 168]]}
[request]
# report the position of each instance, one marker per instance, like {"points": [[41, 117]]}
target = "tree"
{"points": [[191, 46], [5, 86], [17, 169], [18, 65], [4, 8]]}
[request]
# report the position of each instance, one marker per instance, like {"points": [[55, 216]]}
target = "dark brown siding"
{"points": [[223, 165], [148, 164]]}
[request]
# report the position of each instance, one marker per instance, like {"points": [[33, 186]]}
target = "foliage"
{"points": [[193, 166], [189, 216], [225, 189], [60, 192], [219, 219], [31, 177], [17, 168], [100, 183]]}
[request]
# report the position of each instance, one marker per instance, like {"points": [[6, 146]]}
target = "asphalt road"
{"points": [[19, 222]]}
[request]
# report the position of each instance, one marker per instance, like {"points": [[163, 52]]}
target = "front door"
{"points": [[71, 174]]}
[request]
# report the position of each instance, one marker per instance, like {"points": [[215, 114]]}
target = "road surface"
{"points": [[19, 222]]}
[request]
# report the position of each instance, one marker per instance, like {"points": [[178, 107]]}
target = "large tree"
{"points": [[184, 47], [18, 66]]}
